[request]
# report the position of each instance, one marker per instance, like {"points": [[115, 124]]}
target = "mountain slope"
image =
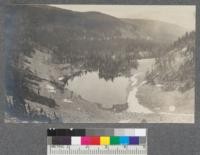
{"points": [[58, 28], [96, 24], [157, 30], [176, 69]]}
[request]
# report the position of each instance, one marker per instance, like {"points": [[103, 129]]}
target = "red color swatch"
{"points": [[95, 140]]}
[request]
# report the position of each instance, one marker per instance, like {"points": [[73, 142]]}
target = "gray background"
{"points": [[163, 139]]}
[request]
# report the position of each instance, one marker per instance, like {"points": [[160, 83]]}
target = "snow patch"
{"points": [[61, 78], [50, 88], [184, 49], [67, 100], [159, 85]]}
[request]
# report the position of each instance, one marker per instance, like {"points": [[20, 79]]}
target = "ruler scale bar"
{"points": [[96, 142], [96, 150]]}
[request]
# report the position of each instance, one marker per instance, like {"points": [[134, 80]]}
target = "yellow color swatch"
{"points": [[105, 140]]}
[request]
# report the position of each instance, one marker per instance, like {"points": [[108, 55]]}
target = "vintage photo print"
{"points": [[99, 63]]}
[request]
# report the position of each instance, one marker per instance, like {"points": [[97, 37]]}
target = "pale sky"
{"points": [[183, 15]]}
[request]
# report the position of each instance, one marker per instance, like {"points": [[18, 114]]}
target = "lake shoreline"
{"points": [[132, 100], [73, 108]]}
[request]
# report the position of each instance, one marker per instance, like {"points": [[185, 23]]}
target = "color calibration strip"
{"points": [[97, 141]]}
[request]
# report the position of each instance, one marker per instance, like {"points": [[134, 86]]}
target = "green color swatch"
{"points": [[114, 140]]}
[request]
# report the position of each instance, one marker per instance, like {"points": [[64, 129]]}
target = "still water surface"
{"points": [[98, 90]]}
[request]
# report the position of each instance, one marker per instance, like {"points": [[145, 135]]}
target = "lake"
{"points": [[107, 92], [98, 90]]}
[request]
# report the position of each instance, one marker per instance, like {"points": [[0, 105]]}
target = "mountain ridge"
{"points": [[98, 24]]}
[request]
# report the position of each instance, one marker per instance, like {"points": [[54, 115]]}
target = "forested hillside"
{"points": [[71, 33], [176, 68]]}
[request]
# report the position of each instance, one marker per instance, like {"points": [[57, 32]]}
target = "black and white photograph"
{"points": [[99, 63]]}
